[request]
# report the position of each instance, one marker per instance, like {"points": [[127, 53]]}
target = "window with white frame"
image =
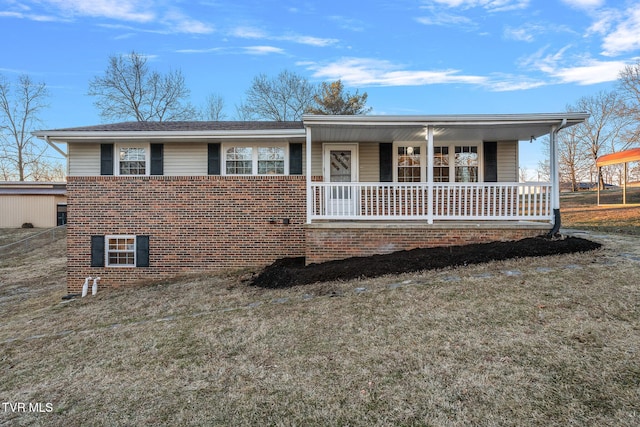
{"points": [[441, 164], [466, 163], [120, 251], [255, 159], [132, 159], [271, 160], [239, 161], [409, 160]]}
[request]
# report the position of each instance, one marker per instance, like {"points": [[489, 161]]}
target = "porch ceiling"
{"points": [[337, 133]]}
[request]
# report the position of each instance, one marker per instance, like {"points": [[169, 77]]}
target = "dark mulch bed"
{"points": [[289, 272]]}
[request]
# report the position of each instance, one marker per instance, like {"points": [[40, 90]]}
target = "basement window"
{"points": [[120, 251]]}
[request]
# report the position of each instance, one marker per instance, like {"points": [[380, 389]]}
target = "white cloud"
{"points": [[125, 10], [445, 19], [592, 72], [262, 50], [626, 36], [375, 72], [524, 34], [136, 11], [583, 70], [256, 33], [30, 16], [491, 5], [584, 4], [248, 33], [181, 23]]}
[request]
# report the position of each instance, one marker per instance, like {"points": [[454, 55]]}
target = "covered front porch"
{"points": [[429, 168]]}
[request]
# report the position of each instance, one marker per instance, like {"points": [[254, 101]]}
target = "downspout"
{"points": [[555, 180]]}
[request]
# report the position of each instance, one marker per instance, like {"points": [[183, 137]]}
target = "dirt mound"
{"points": [[289, 272]]}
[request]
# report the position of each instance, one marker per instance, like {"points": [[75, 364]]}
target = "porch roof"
{"points": [[485, 127]]}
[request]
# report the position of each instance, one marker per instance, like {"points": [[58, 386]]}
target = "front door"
{"points": [[341, 168]]}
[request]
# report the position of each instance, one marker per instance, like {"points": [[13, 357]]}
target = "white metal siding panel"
{"points": [[369, 162], [84, 159], [185, 159], [15, 210], [507, 161]]}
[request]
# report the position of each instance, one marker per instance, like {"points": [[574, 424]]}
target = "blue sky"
{"points": [[411, 57]]}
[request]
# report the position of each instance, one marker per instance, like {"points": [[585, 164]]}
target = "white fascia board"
{"points": [[446, 120], [93, 136]]}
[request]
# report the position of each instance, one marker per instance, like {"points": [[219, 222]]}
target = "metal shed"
{"points": [[43, 204], [626, 156]]}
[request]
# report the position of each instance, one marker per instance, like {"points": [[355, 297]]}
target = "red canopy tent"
{"points": [[626, 156]]}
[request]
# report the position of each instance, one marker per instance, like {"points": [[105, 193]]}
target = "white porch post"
{"points": [[430, 155], [310, 195]]}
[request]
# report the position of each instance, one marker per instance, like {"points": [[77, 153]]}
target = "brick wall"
{"points": [[325, 243], [195, 224]]}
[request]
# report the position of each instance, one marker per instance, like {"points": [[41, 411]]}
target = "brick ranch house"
{"points": [[147, 201]]}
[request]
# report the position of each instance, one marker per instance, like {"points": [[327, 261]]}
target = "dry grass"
{"points": [[548, 341]]}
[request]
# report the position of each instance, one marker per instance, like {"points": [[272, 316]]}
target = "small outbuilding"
{"points": [[624, 157], [42, 204]]}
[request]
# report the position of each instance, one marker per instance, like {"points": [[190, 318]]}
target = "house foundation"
{"points": [[327, 241]]}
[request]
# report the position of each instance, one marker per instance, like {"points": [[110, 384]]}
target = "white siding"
{"points": [[185, 159], [507, 161], [84, 159], [180, 159]]}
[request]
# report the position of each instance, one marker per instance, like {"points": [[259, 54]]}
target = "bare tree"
{"points": [[572, 159], [602, 132], [629, 83], [332, 99], [21, 158], [130, 90], [213, 108], [283, 98], [543, 170]]}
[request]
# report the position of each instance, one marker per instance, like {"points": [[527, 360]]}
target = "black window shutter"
{"points": [[386, 162], [106, 159], [97, 251], [295, 159], [142, 251], [213, 159], [157, 159], [491, 161]]}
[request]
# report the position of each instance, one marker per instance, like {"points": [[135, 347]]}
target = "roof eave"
{"points": [[448, 120], [71, 136]]}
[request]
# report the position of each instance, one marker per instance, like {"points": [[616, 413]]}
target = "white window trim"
{"points": [[423, 158], [452, 158], [120, 236], [254, 157], [147, 156]]}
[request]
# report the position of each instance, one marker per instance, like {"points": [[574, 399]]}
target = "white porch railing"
{"points": [[449, 201]]}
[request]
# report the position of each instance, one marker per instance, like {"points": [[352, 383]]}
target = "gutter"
{"points": [[66, 136], [55, 147]]}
